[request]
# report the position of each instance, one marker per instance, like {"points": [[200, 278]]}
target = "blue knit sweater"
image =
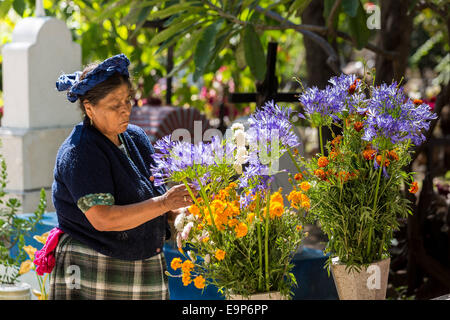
{"points": [[89, 163]]}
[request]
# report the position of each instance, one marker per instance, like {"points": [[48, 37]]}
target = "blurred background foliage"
{"points": [[220, 46]]}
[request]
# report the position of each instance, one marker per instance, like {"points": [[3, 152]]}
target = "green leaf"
{"points": [[205, 47], [298, 6], [350, 7], [167, 33], [4, 7], [254, 53], [412, 5], [358, 28], [240, 56], [19, 6], [166, 12]]}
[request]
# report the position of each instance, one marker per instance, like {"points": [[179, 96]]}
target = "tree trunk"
{"points": [[394, 35], [316, 59]]}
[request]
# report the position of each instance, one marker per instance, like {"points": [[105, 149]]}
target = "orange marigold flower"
{"points": [[322, 162], [305, 186], [277, 197], [187, 266], [320, 173], [369, 154], [351, 89], [417, 101], [199, 282], [393, 155], [336, 140], [333, 155], [305, 205], [276, 210], [250, 217], [220, 254], [233, 222], [386, 161], [175, 264], [186, 278], [241, 230], [414, 187], [298, 227], [298, 176], [295, 150], [303, 197], [232, 185], [193, 209], [205, 239], [358, 125]]}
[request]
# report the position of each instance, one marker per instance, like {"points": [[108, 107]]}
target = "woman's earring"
{"points": [[91, 121]]}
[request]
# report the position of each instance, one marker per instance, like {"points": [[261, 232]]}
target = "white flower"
{"points": [[179, 244], [237, 126], [207, 259], [191, 256], [204, 235], [240, 137], [187, 230], [242, 155], [190, 217], [179, 221], [238, 167]]}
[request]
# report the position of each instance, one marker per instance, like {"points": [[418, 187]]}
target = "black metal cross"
{"points": [[268, 89]]}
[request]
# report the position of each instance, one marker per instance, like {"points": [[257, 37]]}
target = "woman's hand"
{"points": [[178, 197]]}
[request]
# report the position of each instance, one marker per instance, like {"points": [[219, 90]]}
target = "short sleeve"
{"points": [[86, 173]]}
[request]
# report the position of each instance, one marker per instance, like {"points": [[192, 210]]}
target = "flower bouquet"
{"points": [[28, 265], [240, 235], [356, 189]]}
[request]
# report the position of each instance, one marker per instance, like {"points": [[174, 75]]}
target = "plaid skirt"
{"points": [[81, 273]]}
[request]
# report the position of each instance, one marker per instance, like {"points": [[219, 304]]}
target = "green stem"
{"points": [[266, 241], [375, 200], [320, 140], [205, 198], [293, 160], [260, 276]]}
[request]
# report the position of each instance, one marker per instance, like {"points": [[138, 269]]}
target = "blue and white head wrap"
{"points": [[71, 82]]}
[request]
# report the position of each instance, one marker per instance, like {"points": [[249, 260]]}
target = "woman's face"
{"points": [[112, 113]]}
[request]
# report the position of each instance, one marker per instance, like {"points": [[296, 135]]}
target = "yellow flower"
{"points": [[305, 205], [205, 239], [277, 197], [30, 251], [298, 227], [305, 186], [25, 267], [176, 263], [220, 254], [199, 282], [250, 217], [193, 209], [186, 278], [276, 210], [304, 197], [187, 266], [241, 230], [42, 238], [233, 222], [232, 185]]}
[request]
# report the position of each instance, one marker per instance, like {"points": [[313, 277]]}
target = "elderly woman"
{"points": [[113, 220]]}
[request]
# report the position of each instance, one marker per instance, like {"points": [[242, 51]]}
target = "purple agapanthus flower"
{"points": [[331, 102], [393, 117], [269, 123]]}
